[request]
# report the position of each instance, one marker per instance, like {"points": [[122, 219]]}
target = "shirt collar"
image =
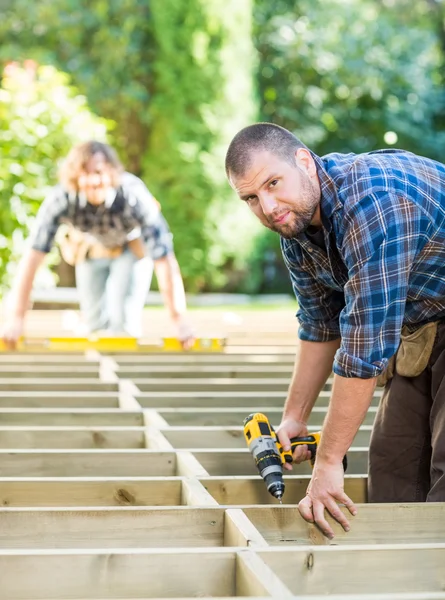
{"points": [[329, 202]]}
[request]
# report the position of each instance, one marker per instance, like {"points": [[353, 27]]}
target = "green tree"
{"points": [[353, 76], [41, 116], [176, 77]]}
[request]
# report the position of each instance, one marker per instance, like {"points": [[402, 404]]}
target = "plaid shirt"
{"points": [[127, 213], [383, 265]]}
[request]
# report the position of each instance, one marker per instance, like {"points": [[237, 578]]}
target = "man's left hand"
{"points": [[325, 489], [185, 333]]}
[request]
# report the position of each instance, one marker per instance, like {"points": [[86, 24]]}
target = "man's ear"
{"points": [[304, 160]]}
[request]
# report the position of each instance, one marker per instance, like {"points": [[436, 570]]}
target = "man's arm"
{"points": [[351, 398], [18, 301], [171, 286], [313, 364]]}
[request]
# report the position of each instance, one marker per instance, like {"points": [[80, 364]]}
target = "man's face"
{"points": [[96, 178], [284, 197]]}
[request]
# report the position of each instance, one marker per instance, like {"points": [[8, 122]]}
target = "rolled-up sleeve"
{"points": [[380, 242], [47, 221], [319, 306]]}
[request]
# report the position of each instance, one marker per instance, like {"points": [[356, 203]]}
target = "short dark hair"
{"points": [[260, 136]]}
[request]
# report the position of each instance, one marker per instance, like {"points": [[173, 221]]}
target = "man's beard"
{"points": [[296, 223]]}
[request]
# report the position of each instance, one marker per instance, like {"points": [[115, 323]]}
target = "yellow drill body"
{"points": [[268, 453]]}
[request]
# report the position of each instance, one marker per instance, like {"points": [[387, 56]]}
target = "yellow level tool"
{"points": [[112, 344]]}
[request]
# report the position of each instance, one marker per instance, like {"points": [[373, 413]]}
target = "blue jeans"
{"points": [[112, 292]]}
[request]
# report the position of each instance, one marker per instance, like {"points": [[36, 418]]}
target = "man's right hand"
{"points": [[290, 428], [12, 331]]}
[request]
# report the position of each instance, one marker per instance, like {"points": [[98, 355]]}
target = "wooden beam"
{"points": [[89, 491], [253, 575], [86, 463], [56, 400], [137, 361], [188, 465], [107, 369], [211, 385], [200, 372], [88, 417], [72, 437], [123, 527], [55, 384], [252, 490], [48, 371], [230, 437], [359, 569], [235, 416], [255, 401], [239, 531], [222, 462], [115, 574], [195, 494], [373, 524]]}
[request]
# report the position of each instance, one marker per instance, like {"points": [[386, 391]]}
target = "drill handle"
{"points": [[311, 441]]}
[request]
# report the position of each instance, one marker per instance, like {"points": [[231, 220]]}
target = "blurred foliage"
{"points": [[203, 72], [356, 75], [176, 77], [41, 115]]}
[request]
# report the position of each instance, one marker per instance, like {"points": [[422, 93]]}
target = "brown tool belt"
{"points": [[75, 247], [413, 354]]}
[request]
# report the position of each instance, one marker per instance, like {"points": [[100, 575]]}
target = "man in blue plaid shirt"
{"points": [[363, 237]]}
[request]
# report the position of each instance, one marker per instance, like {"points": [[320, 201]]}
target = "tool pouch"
{"points": [[413, 354]]}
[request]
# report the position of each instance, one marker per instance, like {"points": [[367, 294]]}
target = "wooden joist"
{"points": [[87, 463], [91, 491], [373, 524], [87, 417], [250, 489], [359, 569]]}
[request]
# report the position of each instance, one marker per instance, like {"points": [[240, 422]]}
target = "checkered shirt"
{"points": [[128, 212], [383, 266]]}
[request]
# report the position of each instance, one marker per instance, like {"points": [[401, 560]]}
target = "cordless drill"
{"points": [[269, 454]]}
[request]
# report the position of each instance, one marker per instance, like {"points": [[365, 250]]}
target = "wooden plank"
{"points": [[48, 371], [188, 465], [55, 358], [138, 361], [205, 372], [86, 463], [58, 399], [56, 385], [234, 416], [254, 576], [255, 401], [252, 490], [72, 437], [123, 527], [222, 462], [360, 569], [195, 494], [211, 385], [373, 524], [230, 437], [88, 491], [89, 417], [112, 574], [239, 531]]}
